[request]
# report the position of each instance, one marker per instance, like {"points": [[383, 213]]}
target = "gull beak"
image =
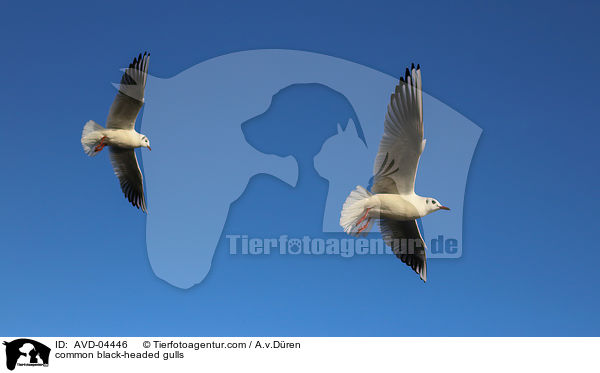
{"points": [[444, 208], [149, 148]]}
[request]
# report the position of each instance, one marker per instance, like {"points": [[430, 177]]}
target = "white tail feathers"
{"points": [[90, 137], [354, 218]]}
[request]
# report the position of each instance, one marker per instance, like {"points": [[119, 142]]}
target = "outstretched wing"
{"points": [[396, 163], [130, 98], [128, 171], [406, 242]]}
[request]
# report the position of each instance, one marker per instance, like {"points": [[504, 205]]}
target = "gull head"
{"points": [[144, 142], [432, 204]]}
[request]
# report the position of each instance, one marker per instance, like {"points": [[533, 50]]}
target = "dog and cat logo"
{"points": [[26, 352]]}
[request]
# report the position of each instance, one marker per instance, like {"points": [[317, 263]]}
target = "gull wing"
{"points": [[402, 143], [130, 177], [406, 242], [130, 98]]}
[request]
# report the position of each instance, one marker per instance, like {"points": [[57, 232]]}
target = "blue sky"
{"points": [[73, 251]]}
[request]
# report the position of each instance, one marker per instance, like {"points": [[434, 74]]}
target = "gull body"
{"points": [[397, 207], [122, 138], [392, 199]]}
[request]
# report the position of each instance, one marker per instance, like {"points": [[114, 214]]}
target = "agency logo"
{"points": [[26, 352]]}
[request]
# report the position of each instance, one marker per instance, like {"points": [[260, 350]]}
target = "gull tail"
{"points": [[354, 218], [90, 137]]}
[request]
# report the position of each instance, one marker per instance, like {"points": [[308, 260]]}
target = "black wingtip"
{"points": [[407, 73]]}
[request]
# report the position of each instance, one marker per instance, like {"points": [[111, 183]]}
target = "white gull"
{"points": [[120, 134], [392, 199]]}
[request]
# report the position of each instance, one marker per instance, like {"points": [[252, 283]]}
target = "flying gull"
{"points": [[392, 199], [120, 134]]}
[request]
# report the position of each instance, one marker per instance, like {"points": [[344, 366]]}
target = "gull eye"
{"points": [[433, 202]]}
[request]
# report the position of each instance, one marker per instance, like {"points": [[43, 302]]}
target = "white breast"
{"points": [[397, 207], [123, 138]]}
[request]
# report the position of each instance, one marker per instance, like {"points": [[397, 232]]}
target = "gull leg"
{"points": [[101, 145], [363, 217], [364, 226]]}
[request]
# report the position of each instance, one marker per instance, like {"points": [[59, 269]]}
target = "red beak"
{"points": [[444, 208], [149, 148]]}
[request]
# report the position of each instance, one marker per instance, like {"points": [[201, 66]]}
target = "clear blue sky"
{"points": [[73, 257]]}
